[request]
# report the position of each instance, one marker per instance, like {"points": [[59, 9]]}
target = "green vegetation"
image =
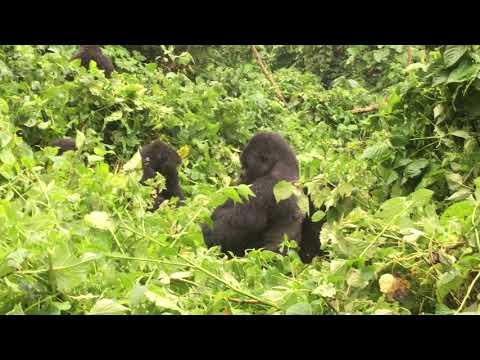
{"points": [[398, 177]]}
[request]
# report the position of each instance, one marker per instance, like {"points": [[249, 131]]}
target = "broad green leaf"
{"points": [[421, 197], [461, 133], [5, 138], [345, 189], [94, 158], [181, 275], [117, 115], [17, 258], [477, 188], [7, 157], [79, 139], [325, 290], [299, 309], [356, 279], [137, 294], [415, 168], [453, 53], [376, 152], [245, 191], [438, 110], [319, 215], [99, 220], [460, 211], [464, 72], [447, 282], [460, 195], [107, 307], [411, 235], [67, 271], [302, 202], [134, 163], [283, 190], [470, 146], [232, 194], [3, 106], [162, 302], [392, 207]]}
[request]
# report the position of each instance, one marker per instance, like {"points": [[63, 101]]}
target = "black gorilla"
{"points": [[64, 144], [261, 222], [161, 158], [93, 52]]}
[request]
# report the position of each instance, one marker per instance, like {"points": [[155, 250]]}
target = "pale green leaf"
{"points": [[79, 139], [283, 190], [319, 215], [325, 290], [453, 53], [99, 220], [299, 309], [117, 115], [107, 307]]}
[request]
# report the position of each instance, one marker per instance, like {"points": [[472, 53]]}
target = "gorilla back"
{"points": [[261, 222]]}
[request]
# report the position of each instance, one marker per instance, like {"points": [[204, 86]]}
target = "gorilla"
{"points": [[261, 222], [64, 144], [161, 158], [93, 52]]}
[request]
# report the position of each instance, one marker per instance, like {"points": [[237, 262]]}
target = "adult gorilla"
{"points": [[261, 222]]}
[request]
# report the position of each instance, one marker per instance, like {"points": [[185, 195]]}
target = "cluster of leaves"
{"points": [[398, 188]]}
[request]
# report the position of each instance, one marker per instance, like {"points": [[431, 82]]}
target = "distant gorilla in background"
{"points": [[93, 52], [161, 158], [261, 222], [64, 144]]}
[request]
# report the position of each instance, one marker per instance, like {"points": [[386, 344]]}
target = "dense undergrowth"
{"points": [[399, 186]]}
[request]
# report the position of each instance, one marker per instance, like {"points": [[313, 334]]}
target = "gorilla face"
{"points": [[268, 154], [159, 157]]}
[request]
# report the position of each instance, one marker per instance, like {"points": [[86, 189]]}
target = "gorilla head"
{"points": [[65, 144], [268, 153], [158, 157]]}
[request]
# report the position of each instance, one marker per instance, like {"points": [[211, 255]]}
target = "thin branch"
{"points": [[234, 288], [370, 108], [467, 295], [267, 74]]}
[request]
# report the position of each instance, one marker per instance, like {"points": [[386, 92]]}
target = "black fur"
{"points": [[161, 158], [65, 144], [261, 222], [93, 52]]}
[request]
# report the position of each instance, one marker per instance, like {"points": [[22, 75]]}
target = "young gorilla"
{"points": [[93, 52], [261, 222], [64, 144], [161, 158]]}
